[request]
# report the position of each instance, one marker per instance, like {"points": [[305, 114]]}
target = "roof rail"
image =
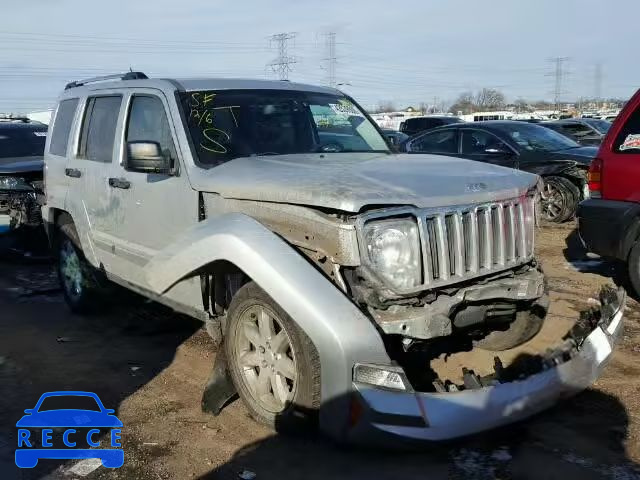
{"points": [[117, 76]]}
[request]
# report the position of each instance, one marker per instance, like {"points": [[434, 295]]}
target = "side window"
{"points": [[436, 142], [148, 122], [62, 126], [477, 142], [577, 129], [99, 128], [628, 140]]}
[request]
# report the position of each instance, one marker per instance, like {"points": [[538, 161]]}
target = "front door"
{"points": [[483, 146], [151, 209]]}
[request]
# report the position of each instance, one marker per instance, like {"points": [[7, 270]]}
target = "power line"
{"points": [[331, 59], [558, 73], [282, 63]]}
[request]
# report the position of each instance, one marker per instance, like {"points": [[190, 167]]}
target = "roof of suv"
{"points": [[193, 84]]}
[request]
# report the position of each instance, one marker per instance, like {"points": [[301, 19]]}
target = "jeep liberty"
{"points": [[330, 270]]}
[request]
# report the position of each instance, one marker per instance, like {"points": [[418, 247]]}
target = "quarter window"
{"points": [[62, 126], [99, 128], [148, 123]]}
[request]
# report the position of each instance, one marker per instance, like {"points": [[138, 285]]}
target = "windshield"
{"points": [[237, 123], [69, 402], [531, 137], [601, 126], [19, 141]]}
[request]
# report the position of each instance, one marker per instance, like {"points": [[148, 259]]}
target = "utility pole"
{"points": [[558, 73], [331, 59], [282, 63], [597, 83]]}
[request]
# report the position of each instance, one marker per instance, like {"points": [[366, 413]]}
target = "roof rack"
{"points": [[117, 76]]}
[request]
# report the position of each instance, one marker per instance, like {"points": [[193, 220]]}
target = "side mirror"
{"points": [[29, 411], [143, 156], [109, 410]]}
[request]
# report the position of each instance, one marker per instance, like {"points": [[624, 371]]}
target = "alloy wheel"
{"points": [[70, 269], [266, 358]]}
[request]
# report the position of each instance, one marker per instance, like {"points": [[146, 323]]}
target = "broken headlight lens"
{"points": [[13, 183], [389, 377], [393, 248]]}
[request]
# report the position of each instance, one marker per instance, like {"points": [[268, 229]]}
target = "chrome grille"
{"points": [[473, 241]]}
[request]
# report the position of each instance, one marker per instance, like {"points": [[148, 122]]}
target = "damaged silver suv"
{"points": [[332, 272]]}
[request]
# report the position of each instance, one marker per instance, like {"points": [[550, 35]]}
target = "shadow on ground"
{"points": [[45, 348], [583, 438]]}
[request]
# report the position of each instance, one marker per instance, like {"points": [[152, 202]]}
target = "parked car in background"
{"points": [[335, 269], [609, 221], [561, 162], [21, 178], [395, 137], [414, 125], [585, 131]]}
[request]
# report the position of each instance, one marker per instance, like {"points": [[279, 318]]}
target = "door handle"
{"points": [[73, 173], [119, 183]]}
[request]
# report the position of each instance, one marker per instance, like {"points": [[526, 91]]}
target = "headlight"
{"points": [[13, 183], [393, 248], [389, 377]]}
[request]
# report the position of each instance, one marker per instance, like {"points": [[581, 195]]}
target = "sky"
{"points": [[410, 52]]}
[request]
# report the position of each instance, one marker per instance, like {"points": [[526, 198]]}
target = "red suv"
{"points": [[609, 222]]}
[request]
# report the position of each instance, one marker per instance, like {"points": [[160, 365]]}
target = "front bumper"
{"points": [[388, 415]]}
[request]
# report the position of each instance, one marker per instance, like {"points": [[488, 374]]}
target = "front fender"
{"points": [[341, 333]]}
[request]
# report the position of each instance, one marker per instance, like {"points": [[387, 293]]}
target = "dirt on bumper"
{"points": [[510, 394]]}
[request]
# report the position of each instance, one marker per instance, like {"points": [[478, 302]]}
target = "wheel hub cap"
{"points": [[266, 358], [71, 270]]}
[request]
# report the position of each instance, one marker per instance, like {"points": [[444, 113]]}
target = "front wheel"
{"points": [[560, 199], [273, 364]]}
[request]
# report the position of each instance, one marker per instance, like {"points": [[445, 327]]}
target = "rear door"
{"points": [[442, 142], [89, 198], [620, 155]]}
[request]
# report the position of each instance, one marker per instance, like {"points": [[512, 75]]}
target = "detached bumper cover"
{"points": [[441, 416]]}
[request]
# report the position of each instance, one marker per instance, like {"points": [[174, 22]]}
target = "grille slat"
{"points": [[480, 240], [460, 262], [443, 247]]}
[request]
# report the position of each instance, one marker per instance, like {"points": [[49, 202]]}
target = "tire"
{"points": [[562, 199], [283, 403], [79, 280], [525, 326], [633, 268]]}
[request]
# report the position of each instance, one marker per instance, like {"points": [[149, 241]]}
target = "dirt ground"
{"points": [[151, 367]]}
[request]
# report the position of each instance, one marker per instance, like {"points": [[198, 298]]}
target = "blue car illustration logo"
{"points": [[44, 425]]}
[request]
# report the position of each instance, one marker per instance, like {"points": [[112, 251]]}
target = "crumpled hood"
{"points": [[350, 181], [21, 165], [582, 155]]}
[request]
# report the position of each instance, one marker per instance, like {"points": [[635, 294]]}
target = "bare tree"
{"points": [[464, 103], [522, 106], [490, 99]]}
